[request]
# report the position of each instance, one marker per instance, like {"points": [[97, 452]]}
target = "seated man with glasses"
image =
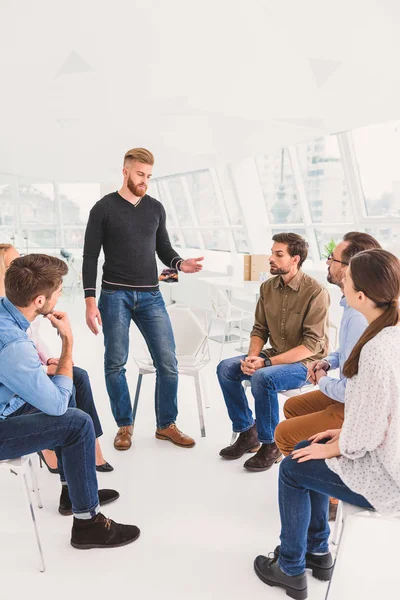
{"points": [[308, 414]]}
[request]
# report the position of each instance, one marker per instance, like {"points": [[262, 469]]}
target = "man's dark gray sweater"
{"points": [[130, 235]]}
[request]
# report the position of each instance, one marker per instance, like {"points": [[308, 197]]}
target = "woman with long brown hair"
{"points": [[360, 463]]}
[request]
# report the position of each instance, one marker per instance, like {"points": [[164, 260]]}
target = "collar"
{"points": [[294, 283], [16, 314], [343, 302]]}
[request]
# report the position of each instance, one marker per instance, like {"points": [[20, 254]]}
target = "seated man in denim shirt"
{"points": [[34, 411]]}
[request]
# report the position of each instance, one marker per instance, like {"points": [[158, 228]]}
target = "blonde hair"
{"points": [[3, 250], [140, 154]]}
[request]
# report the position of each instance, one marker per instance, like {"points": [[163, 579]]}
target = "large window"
{"points": [[279, 188], [324, 180], [378, 157], [320, 189]]}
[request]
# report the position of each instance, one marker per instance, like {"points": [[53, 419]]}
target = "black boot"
{"points": [[246, 442], [65, 507], [101, 532], [267, 569], [321, 566], [267, 455]]}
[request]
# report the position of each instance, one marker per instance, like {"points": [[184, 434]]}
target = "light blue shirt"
{"points": [[22, 378], [352, 326]]}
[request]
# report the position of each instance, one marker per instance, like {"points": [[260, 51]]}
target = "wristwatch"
{"points": [[267, 362]]}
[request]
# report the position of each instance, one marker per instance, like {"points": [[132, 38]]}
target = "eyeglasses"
{"points": [[330, 258]]}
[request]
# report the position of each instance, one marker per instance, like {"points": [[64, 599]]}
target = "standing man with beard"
{"points": [[292, 315], [130, 225]]}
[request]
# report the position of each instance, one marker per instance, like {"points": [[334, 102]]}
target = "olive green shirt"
{"points": [[293, 315]]}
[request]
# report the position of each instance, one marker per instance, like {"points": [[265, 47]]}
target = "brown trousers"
{"points": [[306, 415]]}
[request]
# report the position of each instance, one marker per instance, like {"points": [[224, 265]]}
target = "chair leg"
{"points": [[42, 566], [200, 404], [223, 341], [135, 404], [35, 484], [338, 524]]}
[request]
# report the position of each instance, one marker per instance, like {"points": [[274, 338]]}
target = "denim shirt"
{"points": [[22, 378], [352, 326]]}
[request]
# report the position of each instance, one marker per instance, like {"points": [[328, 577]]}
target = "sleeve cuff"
{"points": [[62, 381], [90, 293], [176, 263]]}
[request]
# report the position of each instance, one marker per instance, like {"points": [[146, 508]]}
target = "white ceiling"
{"points": [[198, 83]]}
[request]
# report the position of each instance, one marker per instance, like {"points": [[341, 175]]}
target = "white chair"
{"points": [[22, 466], [288, 393], [192, 353], [224, 310], [341, 536]]}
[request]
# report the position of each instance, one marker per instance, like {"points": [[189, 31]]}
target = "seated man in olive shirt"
{"points": [[292, 315]]}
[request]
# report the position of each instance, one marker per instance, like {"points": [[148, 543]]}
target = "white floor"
{"points": [[203, 519]]}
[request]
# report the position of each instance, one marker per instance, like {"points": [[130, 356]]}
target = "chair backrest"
{"points": [[220, 302], [190, 336]]}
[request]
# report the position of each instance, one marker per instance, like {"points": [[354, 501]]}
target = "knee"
{"points": [[168, 368], [228, 369], [261, 379], [81, 421], [282, 438], [80, 375], [302, 444], [288, 408]]}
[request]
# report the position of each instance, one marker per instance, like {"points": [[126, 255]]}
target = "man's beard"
{"points": [[330, 279], [45, 310], [136, 190], [278, 271]]}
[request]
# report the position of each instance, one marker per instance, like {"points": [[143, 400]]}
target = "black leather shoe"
{"points": [[267, 569], [65, 507], [246, 442], [104, 468], [267, 455], [321, 566], [101, 532]]}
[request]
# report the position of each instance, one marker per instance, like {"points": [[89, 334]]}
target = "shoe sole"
{"points": [[68, 513], [91, 546], [168, 439], [291, 592], [121, 449], [259, 469], [251, 451], [321, 573]]}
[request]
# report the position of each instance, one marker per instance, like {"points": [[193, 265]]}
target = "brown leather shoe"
{"points": [[123, 439], [172, 434], [246, 442], [267, 455]]}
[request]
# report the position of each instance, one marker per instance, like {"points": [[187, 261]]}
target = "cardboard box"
{"points": [[246, 267], [259, 264]]}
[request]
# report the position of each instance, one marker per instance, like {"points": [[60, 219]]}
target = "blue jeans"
{"points": [[304, 491], [82, 397], [265, 385], [147, 310], [72, 435]]}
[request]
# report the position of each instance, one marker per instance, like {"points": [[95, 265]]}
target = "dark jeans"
{"points": [[84, 397], [265, 385], [147, 310], [304, 492], [72, 435]]}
